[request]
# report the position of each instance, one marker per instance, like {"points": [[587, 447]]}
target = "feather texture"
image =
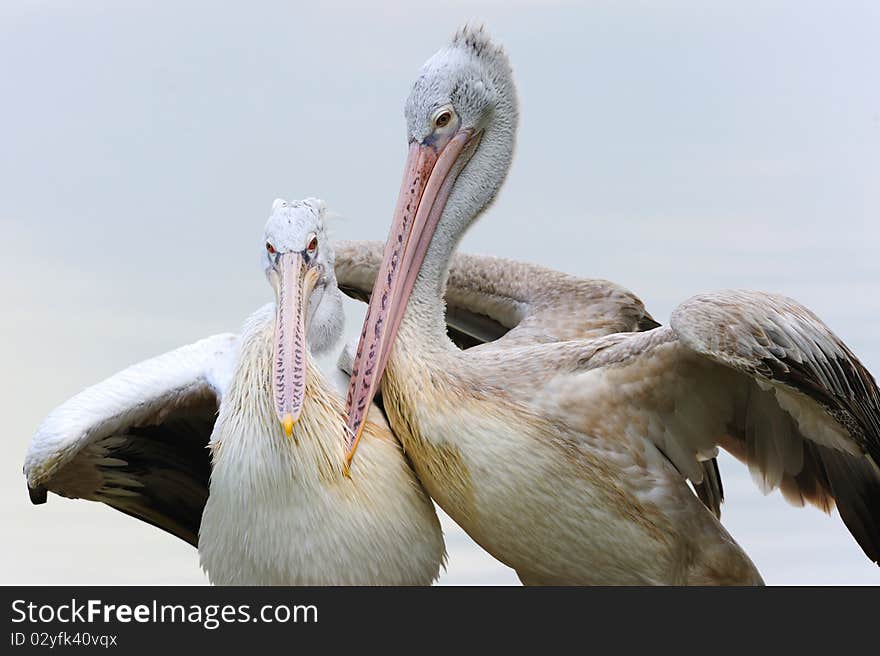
{"points": [[137, 440], [762, 376]]}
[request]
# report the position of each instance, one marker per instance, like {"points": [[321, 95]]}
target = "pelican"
{"points": [[491, 297], [569, 460], [278, 509]]}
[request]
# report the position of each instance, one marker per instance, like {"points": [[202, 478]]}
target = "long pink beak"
{"points": [[426, 186], [295, 284]]}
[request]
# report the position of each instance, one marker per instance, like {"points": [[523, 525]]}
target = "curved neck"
{"points": [[473, 191]]}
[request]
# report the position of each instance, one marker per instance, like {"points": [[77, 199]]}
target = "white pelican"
{"points": [[278, 509], [568, 461]]}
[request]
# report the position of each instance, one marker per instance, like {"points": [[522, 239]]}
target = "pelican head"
{"points": [[461, 120], [463, 87], [299, 264]]}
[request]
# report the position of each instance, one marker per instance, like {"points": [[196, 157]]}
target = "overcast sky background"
{"points": [[668, 146]]}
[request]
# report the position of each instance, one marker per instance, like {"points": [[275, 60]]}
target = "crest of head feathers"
{"points": [[318, 205], [476, 39]]}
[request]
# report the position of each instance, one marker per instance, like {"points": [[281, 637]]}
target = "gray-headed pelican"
{"points": [[568, 460]]}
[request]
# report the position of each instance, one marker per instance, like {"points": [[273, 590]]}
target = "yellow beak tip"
{"points": [[288, 424]]}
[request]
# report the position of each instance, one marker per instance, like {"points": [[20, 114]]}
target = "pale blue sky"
{"points": [[669, 146]]}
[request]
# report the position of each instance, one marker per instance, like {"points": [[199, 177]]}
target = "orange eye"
{"points": [[443, 119], [270, 248], [313, 245]]}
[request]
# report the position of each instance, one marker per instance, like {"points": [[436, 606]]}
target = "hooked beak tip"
{"points": [[288, 423], [349, 456]]}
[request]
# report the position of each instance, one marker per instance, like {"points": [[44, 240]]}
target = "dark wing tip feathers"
{"points": [[855, 486], [844, 388], [647, 322], [847, 392], [37, 494], [711, 491], [170, 467], [831, 375]]}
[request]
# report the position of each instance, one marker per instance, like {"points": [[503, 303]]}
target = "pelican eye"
{"points": [[270, 248], [313, 245], [442, 119]]}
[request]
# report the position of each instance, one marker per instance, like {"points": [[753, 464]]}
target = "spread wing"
{"points": [[502, 303], [137, 440], [761, 376], [494, 303]]}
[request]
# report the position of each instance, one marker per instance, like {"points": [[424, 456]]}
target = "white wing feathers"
{"points": [[136, 440]]}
